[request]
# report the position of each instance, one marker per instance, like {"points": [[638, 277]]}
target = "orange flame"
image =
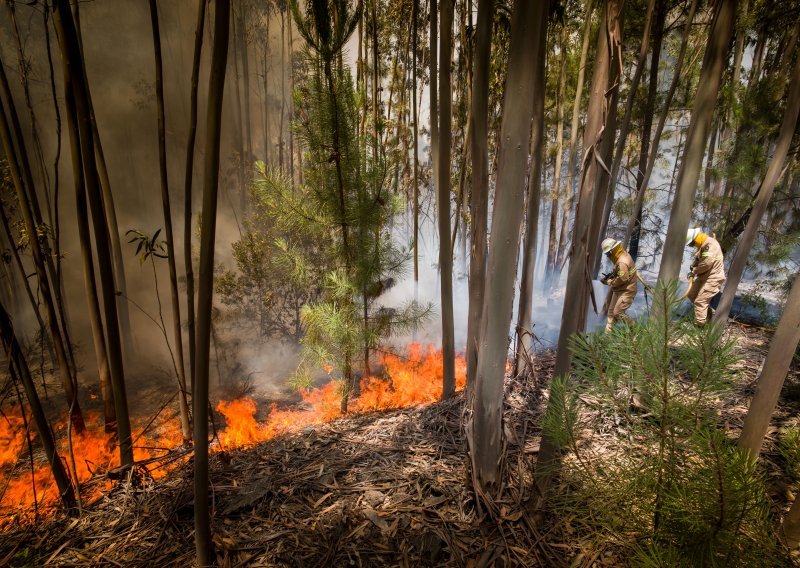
{"points": [[411, 380]]}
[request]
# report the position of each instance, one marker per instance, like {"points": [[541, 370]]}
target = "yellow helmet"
{"points": [[692, 234]]}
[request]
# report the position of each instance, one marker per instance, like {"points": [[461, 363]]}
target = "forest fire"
{"points": [[413, 378]]}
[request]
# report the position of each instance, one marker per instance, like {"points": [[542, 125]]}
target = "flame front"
{"points": [[413, 379]]}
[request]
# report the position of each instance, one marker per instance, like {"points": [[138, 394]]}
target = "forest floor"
{"points": [[379, 489]]}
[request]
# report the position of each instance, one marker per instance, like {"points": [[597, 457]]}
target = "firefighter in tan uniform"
{"points": [[708, 272], [622, 280]]}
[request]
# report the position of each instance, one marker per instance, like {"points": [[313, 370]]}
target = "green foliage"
{"points": [[789, 447], [334, 227], [147, 246], [281, 259], [651, 469]]}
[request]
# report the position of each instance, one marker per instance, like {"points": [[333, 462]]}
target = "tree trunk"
{"points": [[537, 143], [187, 183], [75, 81], [19, 168], [697, 137], [443, 190], [17, 359], [773, 373], [524, 100], [573, 142], [205, 292], [248, 131], [619, 149], [574, 311], [414, 17], [89, 277], [291, 104], [433, 104], [110, 213], [606, 148], [169, 237], [739, 261], [552, 242], [376, 75], [633, 231], [479, 200]]}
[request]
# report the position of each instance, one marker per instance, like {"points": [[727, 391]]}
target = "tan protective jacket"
{"points": [[623, 278], [709, 267]]}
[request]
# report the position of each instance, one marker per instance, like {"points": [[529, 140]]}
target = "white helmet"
{"points": [[691, 235], [609, 244]]}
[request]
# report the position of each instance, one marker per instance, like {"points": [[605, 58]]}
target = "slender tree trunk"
{"points": [[291, 104], [433, 105], [619, 148], [110, 213], [376, 81], [23, 274], [205, 291], [283, 90], [168, 234], [248, 131], [773, 373], [633, 231], [524, 100], [739, 261], [529, 242], [75, 81], [574, 311], [89, 277], [15, 355], [23, 183], [414, 17], [188, 179], [443, 190], [699, 126], [606, 148], [552, 243], [479, 200], [573, 142]]}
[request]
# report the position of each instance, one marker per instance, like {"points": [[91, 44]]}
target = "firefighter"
{"points": [[708, 272], [622, 280]]}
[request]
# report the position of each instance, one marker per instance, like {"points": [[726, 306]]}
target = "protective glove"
{"points": [[604, 279], [690, 275]]}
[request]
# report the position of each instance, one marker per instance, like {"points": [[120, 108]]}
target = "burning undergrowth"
{"points": [[27, 489], [373, 489]]}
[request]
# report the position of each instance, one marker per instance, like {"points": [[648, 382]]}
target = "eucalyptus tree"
{"points": [[188, 178], [524, 101], [572, 162], [177, 330], [633, 230], [574, 311], [782, 349], [479, 199], [699, 126], [19, 168], [205, 292], [443, 168], [763, 196], [76, 84]]}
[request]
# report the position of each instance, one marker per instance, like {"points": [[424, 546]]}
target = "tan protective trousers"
{"points": [[701, 294], [620, 302]]}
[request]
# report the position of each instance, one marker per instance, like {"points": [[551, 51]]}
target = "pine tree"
{"points": [[667, 482], [344, 206]]}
